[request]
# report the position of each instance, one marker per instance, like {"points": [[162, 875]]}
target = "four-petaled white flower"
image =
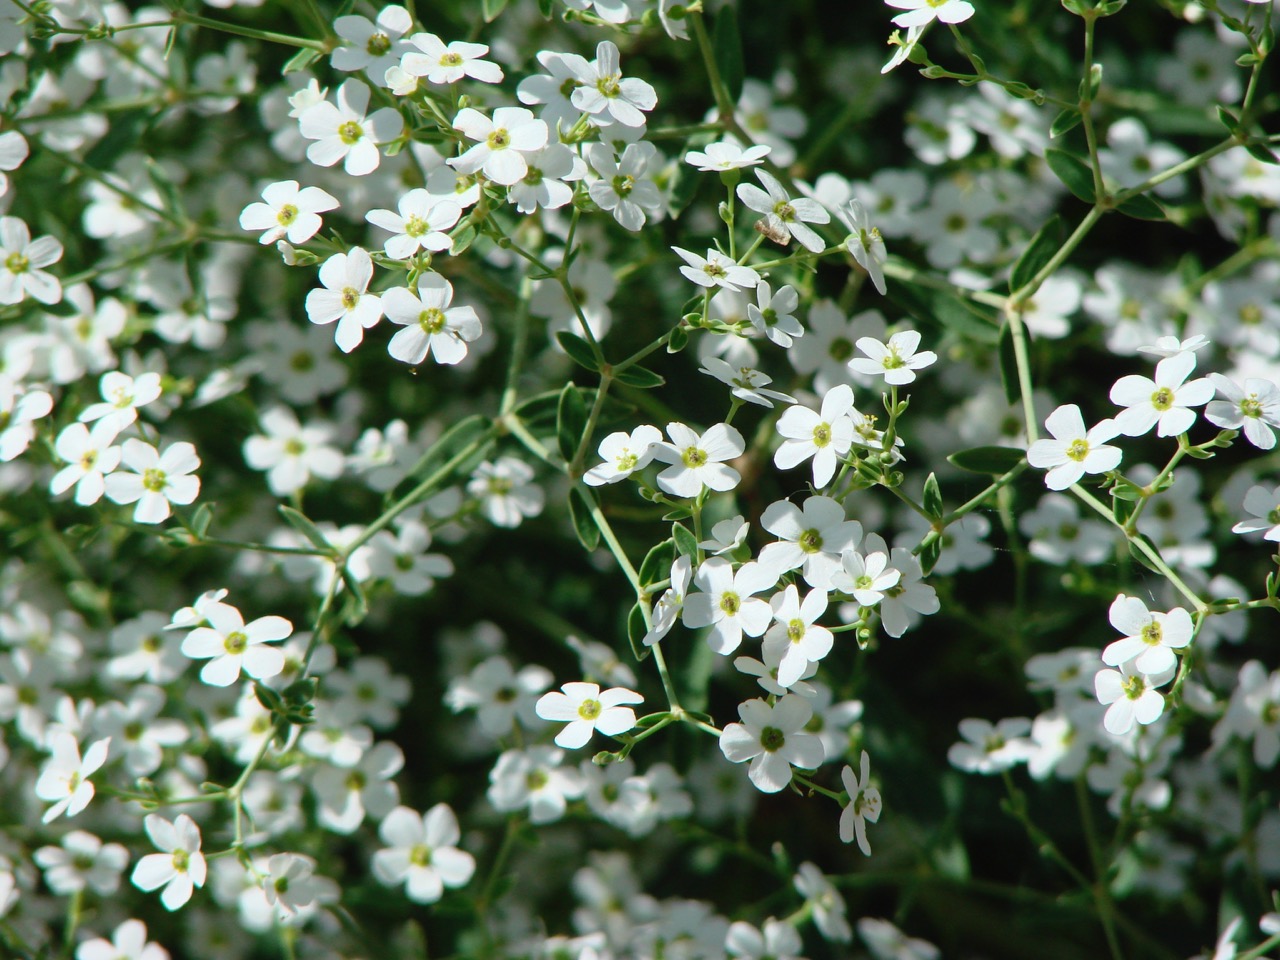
{"points": [[439, 62], [501, 143], [812, 537], [287, 211], [128, 942], [64, 779], [772, 738], [418, 223], [726, 155], [505, 493], [623, 454], [422, 853], [20, 261], [234, 645], [605, 94], [698, 461], [122, 395], [865, 244], [345, 298], [826, 436], [89, 455], [372, 46], [431, 325], [585, 708], [292, 453], [897, 361], [716, 270], [1073, 452], [1129, 695], [864, 805], [784, 218], [868, 578], [1162, 403], [670, 605], [179, 868], [795, 640], [772, 313], [1149, 638], [922, 12], [154, 480], [1264, 509], [344, 130], [1254, 409], [623, 189]]}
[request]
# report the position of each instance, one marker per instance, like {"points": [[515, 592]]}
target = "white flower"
{"points": [[1149, 638], [779, 940], [771, 314], [90, 455], [698, 461], [784, 218], [290, 885], [441, 63], [402, 559], [716, 270], [747, 383], [605, 94], [431, 325], [826, 436], [864, 805], [868, 578], [505, 493], [623, 454], [1264, 507], [419, 223], [670, 605], [157, 479], [902, 47], [726, 536], [1169, 346], [989, 749], [1073, 452], [347, 794], [291, 453], [234, 645], [502, 142], [122, 395], [865, 244], [726, 155], [921, 12], [534, 779], [896, 361], [887, 942], [587, 709], [499, 694], [20, 261], [287, 211], [82, 861], [19, 408], [179, 868], [344, 298], [795, 640], [623, 189], [373, 47], [1132, 696], [772, 739], [544, 185], [344, 131], [64, 779], [422, 853], [827, 904], [727, 603], [812, 537], [13, 152], [1255, 409], [128, 942], [1162, 403]]}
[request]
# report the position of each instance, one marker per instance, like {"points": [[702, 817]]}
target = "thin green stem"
{"points": [[253, 33]]}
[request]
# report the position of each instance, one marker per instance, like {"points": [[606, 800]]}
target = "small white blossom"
{"points": [[864, 805], [897, 361], [587, 708]]}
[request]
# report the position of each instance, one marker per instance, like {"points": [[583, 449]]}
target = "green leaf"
{"points": [[1142, 557], [1046, 242], [358, 609], [1068, 119], [1122, 509], [636, 630], [546, 8], [300, 60], [987, 459], [580, 513], [657, 562], [929, 556], [201, 520], [686, 542], [679, 339], [269, 699], [1090, 84], [1009, 364], [1229, 119], [1261, 152], [726, 43], [492, 9], [679, 513], [641, 377], [462, 240], [1142, 207], [933, 497], [1110, 8], [1073, 172], [571, 420], [305, 527], [579, 350]]}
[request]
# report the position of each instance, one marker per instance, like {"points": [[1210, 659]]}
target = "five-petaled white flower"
{"points": [[772, 738], [897, 361], [505, 493], [179, 868], [1073, 452], [1163, 402], [344, 298], [372, 46], [1149, 638], [623, 454], [344, 132], [698, 461], [154, 480], [422, 853], [122, 395], [585, 708], [716, 270], [784, 218], [864, 805], [64, 779], [287, 211], [234, 645], [431, 325]]}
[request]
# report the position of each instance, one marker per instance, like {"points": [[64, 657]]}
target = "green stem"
{"points": [[1098, 889], [182, 17]]}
